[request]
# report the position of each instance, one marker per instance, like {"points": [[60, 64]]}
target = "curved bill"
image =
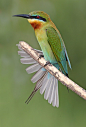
{"points": [[23, 16]]}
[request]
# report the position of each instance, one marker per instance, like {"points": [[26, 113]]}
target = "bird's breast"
{"points": [[43, 42]]}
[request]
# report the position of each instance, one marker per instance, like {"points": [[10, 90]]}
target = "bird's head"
{"points": [[36, 18]]}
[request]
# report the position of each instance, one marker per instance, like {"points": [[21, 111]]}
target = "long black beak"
{"points": [[23, 16]]}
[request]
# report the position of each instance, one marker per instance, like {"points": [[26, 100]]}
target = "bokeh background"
{"points": [[15, 86]]}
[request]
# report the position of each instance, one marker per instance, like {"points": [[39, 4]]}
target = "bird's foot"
{"points": [[40, 56], [47, 63]]}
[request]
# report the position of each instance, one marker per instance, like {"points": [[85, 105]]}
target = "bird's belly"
{"points": [[47, 51], [48, 54], [45, 47]]}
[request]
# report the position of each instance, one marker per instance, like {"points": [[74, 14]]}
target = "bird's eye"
{"points": [[37, 16]]}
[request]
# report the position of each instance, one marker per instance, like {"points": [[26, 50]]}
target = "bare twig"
{"points": [[54, 71]]}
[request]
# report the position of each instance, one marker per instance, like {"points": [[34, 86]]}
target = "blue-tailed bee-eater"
{"points": [[54, 51]]}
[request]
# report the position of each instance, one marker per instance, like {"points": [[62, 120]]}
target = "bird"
{"points": [[52, 49]]}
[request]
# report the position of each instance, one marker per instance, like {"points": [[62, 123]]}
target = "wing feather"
{"points": [[58, 48]]}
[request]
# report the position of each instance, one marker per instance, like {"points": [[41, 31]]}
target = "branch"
{"points": [[54, 71]]}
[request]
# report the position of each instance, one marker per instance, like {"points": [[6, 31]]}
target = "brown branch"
{"points": [[54, 71]]}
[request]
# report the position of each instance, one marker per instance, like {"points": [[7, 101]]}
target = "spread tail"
{"points": [[45, 81]]}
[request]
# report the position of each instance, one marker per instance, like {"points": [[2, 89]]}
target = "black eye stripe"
{"points": [[36, 17]]}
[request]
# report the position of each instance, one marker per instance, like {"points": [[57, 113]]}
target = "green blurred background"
{"points": [[15, 86]]}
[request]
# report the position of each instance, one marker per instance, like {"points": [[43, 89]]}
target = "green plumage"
{"points": [[56, 43], [54, 51]]}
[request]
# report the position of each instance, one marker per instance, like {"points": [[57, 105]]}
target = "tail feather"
{"points": [[45, 81], [30, 97], [57, 95], [19, 47], [54, 94], [23, 54], [37, 87], [40, 81], [51, 92], [48, 87], [33, 68], [38, 75], [28, 60]]}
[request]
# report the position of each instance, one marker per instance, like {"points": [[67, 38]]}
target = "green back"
{"points": [[57, 45]]}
